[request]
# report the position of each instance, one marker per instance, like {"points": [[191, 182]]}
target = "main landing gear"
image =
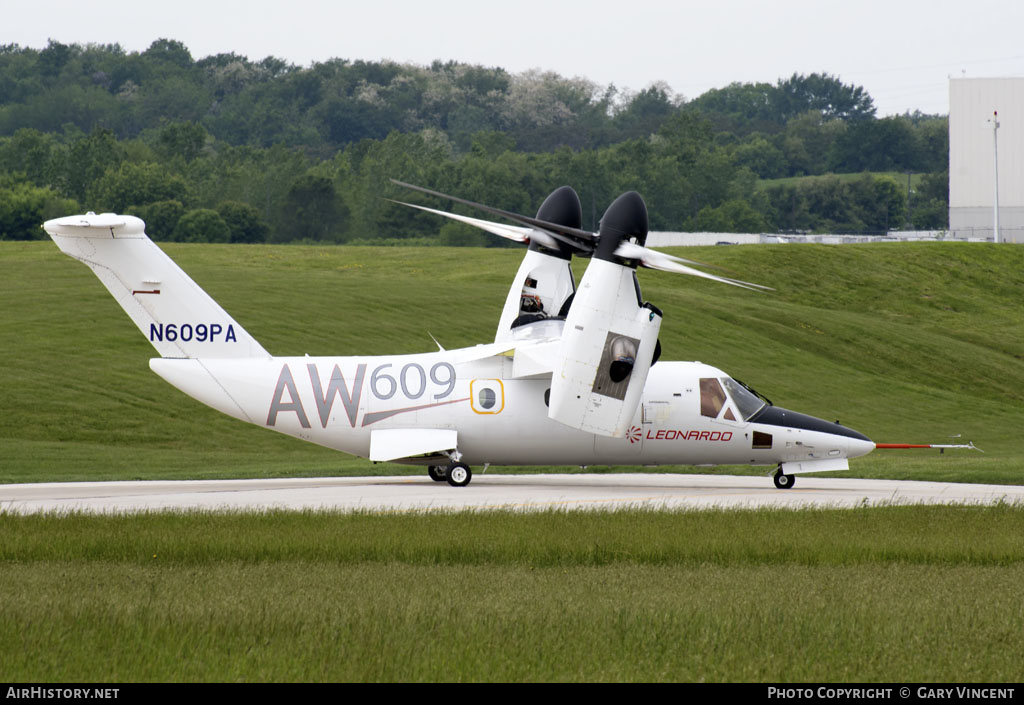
{"points": [[457, 474], [782, 480]]}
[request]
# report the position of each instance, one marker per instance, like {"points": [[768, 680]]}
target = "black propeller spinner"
{"points": [[626, 218], [562, 207]]}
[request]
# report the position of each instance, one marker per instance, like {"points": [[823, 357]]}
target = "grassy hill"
{"points": [[904, 342], [900, 177]]}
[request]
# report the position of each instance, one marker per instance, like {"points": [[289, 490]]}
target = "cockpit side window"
{"points": [[530, 300], [712, 397]]}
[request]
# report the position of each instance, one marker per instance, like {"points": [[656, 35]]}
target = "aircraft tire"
{"points": [[436, 473], [459, 475], [783, 481]]}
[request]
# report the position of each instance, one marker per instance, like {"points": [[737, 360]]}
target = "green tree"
{"points": [[161, 218], [86, 161], [181, 139], [787, 208], [824, 94], [54, 57], [244, 222], [138, 184], [645, 112], [877, 203], [491, 144], [808, 140], [889, 144], [933, 142], [742, 108], [314, 211], [929, 204], [33, 152], [170, 51], [24, 208], [732, 216], [762, 157], [202, 225]]}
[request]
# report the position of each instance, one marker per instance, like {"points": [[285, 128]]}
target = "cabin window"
{"points": [[487, 398], [762, 441], [712, 397]]}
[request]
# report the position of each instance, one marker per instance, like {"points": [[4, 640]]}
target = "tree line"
{"points": [[232, 150]]}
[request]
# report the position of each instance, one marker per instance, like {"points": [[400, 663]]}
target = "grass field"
{"points": [[900, 177], [906, 343], [911, 594]]}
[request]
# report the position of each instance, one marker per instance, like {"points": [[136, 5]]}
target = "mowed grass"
{"points": [[883, 594], [915, 342], [897, 176]]}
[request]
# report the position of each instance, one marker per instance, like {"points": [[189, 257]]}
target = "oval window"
{"points": [[487, 398]]}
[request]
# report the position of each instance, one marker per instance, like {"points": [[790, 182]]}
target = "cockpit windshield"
{"points": [[747, 402]]}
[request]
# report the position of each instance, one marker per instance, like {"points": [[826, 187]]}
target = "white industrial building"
{"points": [[972, 157]]}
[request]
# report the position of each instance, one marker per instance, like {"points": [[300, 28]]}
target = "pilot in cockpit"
{"points": [[529, 299]]}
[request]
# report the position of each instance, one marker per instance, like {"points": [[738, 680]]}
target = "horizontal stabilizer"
{"points": [[396, 443]]}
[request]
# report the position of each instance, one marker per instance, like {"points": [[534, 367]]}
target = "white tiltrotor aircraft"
{"points": [[570, 378]]}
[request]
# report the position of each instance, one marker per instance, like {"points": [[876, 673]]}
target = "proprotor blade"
{"points": [[586, 238], [510, 232], [652, 259]]}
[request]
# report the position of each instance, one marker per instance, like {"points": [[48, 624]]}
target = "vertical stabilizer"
{"points": [[175, 315]]}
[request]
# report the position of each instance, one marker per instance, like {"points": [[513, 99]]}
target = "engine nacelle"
{"points": [[544, 282], [610, 334]]}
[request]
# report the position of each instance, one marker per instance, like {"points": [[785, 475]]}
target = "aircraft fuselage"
{"points": [[339, 402]]}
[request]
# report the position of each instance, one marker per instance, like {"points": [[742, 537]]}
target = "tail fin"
{"points": [[175, 315]]}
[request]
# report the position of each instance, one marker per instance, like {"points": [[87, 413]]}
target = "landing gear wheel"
{"points": [[783, 481], [436, 473], [459, 475]]}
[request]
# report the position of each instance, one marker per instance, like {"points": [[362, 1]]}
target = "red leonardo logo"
{"points": [[633, 434]]}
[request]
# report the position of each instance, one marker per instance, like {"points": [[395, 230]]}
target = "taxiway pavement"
{"points": [[517, 492]]}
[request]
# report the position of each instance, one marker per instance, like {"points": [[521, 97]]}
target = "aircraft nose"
{"points": [[860, 446], [857, 444], [777, 416]]}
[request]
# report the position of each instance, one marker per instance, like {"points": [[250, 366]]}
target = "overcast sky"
{"points": [[901, 51]]}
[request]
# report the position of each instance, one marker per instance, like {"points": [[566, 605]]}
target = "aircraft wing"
{"points": [[397, 443]]}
